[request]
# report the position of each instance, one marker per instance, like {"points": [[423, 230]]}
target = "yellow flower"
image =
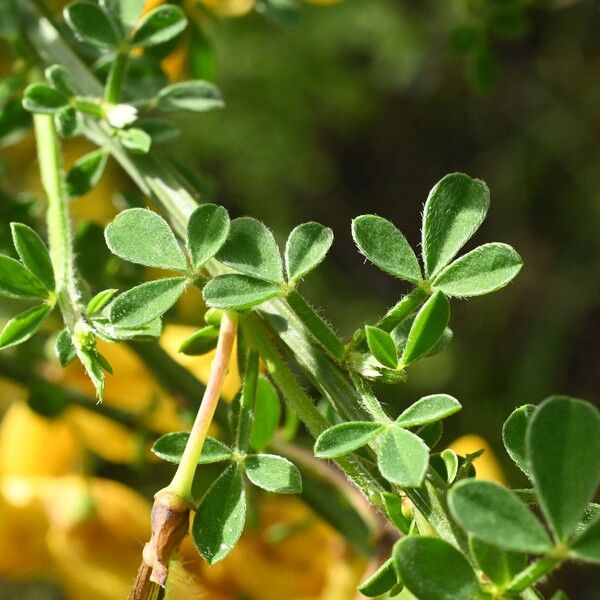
{"points": [[486, 465], [312, 563]]}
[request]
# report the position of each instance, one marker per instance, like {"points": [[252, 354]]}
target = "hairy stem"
{"points": [[116, 76], [181, 485]]}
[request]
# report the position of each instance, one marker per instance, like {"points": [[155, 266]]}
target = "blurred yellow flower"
{"points": [[487, 465], [311, 562]]}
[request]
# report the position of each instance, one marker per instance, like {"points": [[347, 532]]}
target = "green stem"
{"points": [[535, 571], [297, 399], [116, 76], [320, 330], [394, 316], [369, 401], [247, 402], [181, 485], [157, 179]]}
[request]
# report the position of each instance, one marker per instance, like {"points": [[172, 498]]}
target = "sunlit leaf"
{"points": [[18, 282], [159, 26], [385, 246], [220, 519], [305, 249], [273, 473], [23, 326], [382, 346], [383, 580], [170, 447], [454, 210], [91, 24], [563, 448], [428, 409], [402, 457], [195, 96], [33, 254], [141, 236], [513, 435], [345, 438], [495, 515], [207, 231], [238, 292]]}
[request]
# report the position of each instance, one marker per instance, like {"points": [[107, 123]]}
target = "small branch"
{"points": [[116, 76], [181, 485], [247, 402]]}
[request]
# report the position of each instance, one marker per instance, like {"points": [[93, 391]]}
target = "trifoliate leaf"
{"points": [[170, 447], [382, 346], [454, 210], [385, 246], [495, 515], [91, 24], [482, 271], [306, 247], [402, 457], [273, 473], [251, 249], [513, 435], [428, 409], [195, 96], [146, 302], [23, 326], [427, 328], [345, 438], [86, 173], [220, 519], [238, 292], [563, 450], [33, 254], [207, 231], [18, 282], [159, 26], [432, 569], [43, 99], [141, 236]]}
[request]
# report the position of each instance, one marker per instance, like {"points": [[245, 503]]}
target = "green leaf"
{"points": [[238, 292], [18, 282], [450, 459], [587, 545], [393, 507], [170, 447], [141, 236], [400, 336], [23, 326], [41, 98], [86, 173], [500, 567], [64, 348], [432, 569], [220, 519], [383, 580], [482, 271], [91, 24], [431, 433], [429, 409], [345, 438], [60, 79], [159, 26], [201, 342], [428, 326], [207, 231], [99, 301], [135, 139], [495, 515], [195, 96], [33, 254], [267, 413], [385, 246], [563, 447], [513, 435], [160, 130], [382, 346], [305, 249], [273, 473], [127, 12], [251, 249], [402, 457], [147, 301], [453, 212], [67, 121], [92, 364]]}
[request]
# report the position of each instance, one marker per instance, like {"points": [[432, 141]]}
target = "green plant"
{"points": [[460, 538]]}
